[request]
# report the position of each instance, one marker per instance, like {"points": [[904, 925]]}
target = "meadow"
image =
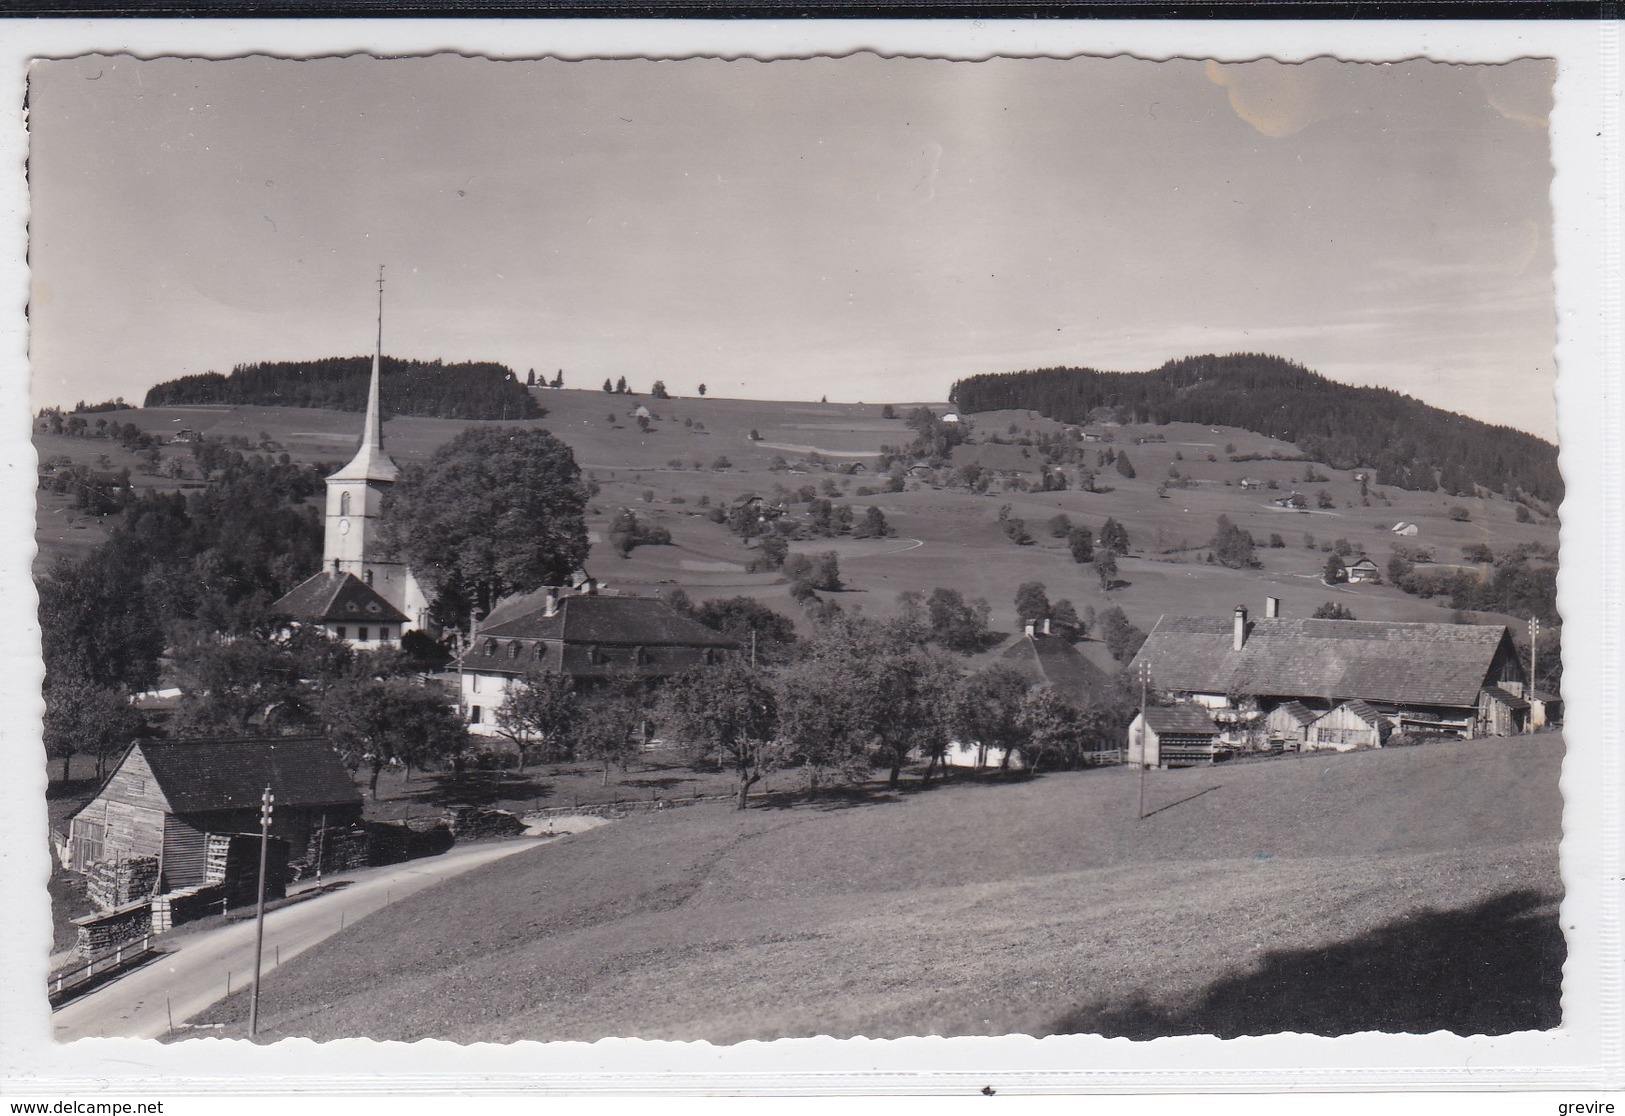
{"points": [[1325, 894]]}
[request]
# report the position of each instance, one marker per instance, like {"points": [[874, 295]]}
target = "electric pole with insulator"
{"points": [[267, 803], [1145, 683]]}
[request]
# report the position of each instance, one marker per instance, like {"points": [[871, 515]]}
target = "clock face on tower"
{"points": [[344, 526]]}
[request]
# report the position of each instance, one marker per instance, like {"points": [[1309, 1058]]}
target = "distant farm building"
{"points": [[950, 417], [1294, 500], [1053, 660], [1364, 572], [1251, 482], [1288, 724], [1406, 529]]}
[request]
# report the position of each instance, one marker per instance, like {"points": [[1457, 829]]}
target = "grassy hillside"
{"points": [[1328, 894], [950, 537]]}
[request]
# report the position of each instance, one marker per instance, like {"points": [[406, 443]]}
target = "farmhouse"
{"points": [[1294, 500], [1174, 736], [1406, 529], [1053, 660], [352, 551], [586, 635], [165, 799], [1364, 572], [1429, 677]]}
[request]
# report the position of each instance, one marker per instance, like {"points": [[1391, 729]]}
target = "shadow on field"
{"points": [[1491, 969]]}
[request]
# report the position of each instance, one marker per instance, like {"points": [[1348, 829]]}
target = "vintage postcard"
{"points": [[1055, 557]]}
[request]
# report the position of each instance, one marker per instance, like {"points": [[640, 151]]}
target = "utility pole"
{"points": [[1534, 648], [267, 800], [1145, 683]]}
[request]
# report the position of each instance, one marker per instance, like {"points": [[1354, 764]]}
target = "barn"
{"points": [[164, 800], [1288, 724]]}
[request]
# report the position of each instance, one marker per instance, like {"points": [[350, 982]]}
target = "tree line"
{"points": [[425, 389], [1408, 444]]}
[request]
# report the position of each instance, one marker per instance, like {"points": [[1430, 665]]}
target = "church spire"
{"points": [[370, 461]]}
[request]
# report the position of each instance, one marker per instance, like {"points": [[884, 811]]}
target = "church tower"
{"points": [[355, 495]]}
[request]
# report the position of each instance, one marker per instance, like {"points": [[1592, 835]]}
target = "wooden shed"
{"points": [[165, 799], [1288, 723], [1354, 724], [1174, 736]]}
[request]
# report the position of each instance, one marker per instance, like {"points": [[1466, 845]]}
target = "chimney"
{"points": [[589, 588], [1031, 624], [1046, 625], [1241, 629], [1272, 608], [552, 603]]}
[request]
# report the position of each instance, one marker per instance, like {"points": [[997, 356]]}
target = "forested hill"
{"points": [[1406, 443], [426, 389]]}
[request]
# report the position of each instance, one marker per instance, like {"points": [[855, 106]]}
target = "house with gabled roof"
{"points": [[165, 799], [345, 607], [1421, 674], [1053, 660], [588, 635]]}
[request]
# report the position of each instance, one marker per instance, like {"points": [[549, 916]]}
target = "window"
{"points": [[474, 683], [368, 578], [473, 714], [361, 633], [344, 504], [342, 632], [515, 649], [540, 651], [490, 647]]}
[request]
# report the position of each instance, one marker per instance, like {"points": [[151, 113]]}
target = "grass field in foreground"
{"points": [[1404, 890]]}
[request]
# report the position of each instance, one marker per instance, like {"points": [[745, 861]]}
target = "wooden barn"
{"points": [[164, 800], [1174, 736], [1354, 724], [1364, 572]]}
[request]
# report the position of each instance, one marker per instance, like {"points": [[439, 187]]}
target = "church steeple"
{"points": [[370, 461]]}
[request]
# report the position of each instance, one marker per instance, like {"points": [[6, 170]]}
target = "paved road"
{"points": [[182, 983]]}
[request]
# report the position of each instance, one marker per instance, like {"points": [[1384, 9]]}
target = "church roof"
{"points": [[335, 597], [370, 461]]}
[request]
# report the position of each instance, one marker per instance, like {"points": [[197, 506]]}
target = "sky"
{"points": [[863, 228]]}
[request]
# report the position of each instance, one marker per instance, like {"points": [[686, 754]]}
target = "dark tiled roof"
{"points": [[1378, 660], [1056, 661], [591, 621], [337, 597], [1185, 720], [197, 776]]}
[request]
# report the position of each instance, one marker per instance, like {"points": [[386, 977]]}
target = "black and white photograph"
{"points": [[852, 546]]}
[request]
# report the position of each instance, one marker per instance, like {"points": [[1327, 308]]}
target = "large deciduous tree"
{"points": [[540, 710], [83, 717], [729, 713], [375, 721], [495, 511], [986, 711], [751, 622], [609, 728]]}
